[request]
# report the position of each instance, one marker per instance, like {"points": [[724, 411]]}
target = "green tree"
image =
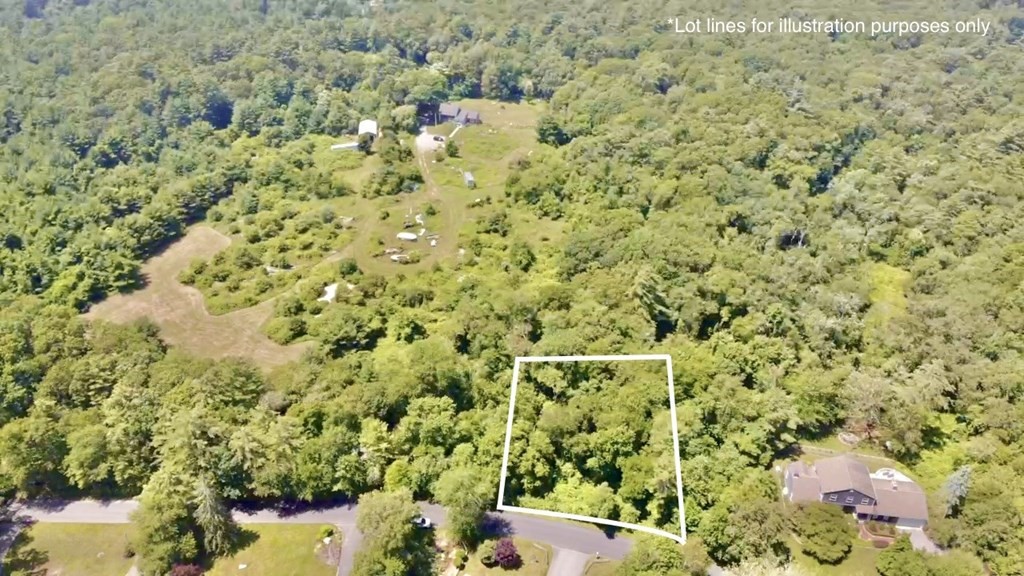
{"points": [[900, 559], [213, 518], [824, 530], [466, 494]]}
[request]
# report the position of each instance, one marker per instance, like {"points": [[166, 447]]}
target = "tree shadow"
{"points": [[242, 539], [610, 532], [22, 558], [496, 526], [286, 508]]}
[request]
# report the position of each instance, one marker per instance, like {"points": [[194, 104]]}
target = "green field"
{"points": [[69, 550], [536, 558], [277, 550]]}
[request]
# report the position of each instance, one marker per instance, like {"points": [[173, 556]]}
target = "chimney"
{"points": [[895, 486]]}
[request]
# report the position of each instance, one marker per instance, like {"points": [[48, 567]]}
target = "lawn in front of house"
{"points": [[276, 550], [69, 549], [536, 558]]}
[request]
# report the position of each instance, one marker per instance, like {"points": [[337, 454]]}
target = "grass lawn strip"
{"points": [[70, 550], [277, 550]]}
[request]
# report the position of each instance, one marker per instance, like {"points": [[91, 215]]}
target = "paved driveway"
{"points": [[920, 541], [568, 563]]}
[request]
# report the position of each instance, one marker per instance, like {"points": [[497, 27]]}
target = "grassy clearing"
{"points": [[278, 550], [888, 286], [180, 312], [485, 150], [536, 558], [69, 550]]}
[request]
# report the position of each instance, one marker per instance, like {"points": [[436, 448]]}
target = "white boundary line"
{"points": [[681, 537]]}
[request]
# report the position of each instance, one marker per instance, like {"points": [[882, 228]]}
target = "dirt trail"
{"points": [[180, 311]]}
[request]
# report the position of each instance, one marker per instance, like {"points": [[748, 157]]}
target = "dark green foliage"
{"points": [[823, 232], [824, 530], [900, 559]]}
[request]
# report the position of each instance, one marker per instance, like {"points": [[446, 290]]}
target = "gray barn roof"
{"points": [[449, 109]]}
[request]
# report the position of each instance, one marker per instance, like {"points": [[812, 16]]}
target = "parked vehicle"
{"points": [[423, 522]]}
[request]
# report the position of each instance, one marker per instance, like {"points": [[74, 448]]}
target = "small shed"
{"points": [[467, 177], [368, 127]]}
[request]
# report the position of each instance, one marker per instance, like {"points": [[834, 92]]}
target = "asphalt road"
{"points": [[566, 536]]}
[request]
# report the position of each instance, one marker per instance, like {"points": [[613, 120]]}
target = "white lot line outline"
{"points": [[681, 537]]}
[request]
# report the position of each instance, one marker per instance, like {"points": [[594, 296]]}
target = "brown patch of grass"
{"points": [[182, 316]]}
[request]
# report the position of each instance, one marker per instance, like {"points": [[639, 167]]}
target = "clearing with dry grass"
{"points": [[180, 313]]}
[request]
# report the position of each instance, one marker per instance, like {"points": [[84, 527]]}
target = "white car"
{"points": [[423, 522]]}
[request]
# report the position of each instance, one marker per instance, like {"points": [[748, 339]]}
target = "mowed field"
{"points": [[182, 316], [276, 550], [69, 550]]}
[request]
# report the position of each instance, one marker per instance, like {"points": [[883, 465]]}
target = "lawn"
{"points": [[536, 558], [277, 550], [181, 313], [69, 550], [603, 568]]}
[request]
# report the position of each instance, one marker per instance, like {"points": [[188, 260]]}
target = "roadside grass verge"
{"points": [[69, 549], [276, 550]]}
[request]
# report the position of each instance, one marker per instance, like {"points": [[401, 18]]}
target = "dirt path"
{"points": [[180, 312]]}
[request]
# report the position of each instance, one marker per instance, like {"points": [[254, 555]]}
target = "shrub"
{"points": [[506, 555], [486, 552], [186, 570], [285, 330], [348, 266], [325, 532], [129, 550]]}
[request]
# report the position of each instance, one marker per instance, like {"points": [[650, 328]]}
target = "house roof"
{"points": [[903, 500], [472, 115], [843, 473], [449, 109]]}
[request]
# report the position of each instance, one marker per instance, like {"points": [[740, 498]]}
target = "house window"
{"points": [[832, 497], [849, 499], [865, 500]]}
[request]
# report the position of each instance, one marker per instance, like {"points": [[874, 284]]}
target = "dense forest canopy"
{"points": [[823, 230]]}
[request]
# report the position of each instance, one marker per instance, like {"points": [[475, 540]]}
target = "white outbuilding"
{"points": [[368, 127]]}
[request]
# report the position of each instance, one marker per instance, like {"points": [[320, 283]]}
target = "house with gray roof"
{"points": [[447, 112], [885, 495]]}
